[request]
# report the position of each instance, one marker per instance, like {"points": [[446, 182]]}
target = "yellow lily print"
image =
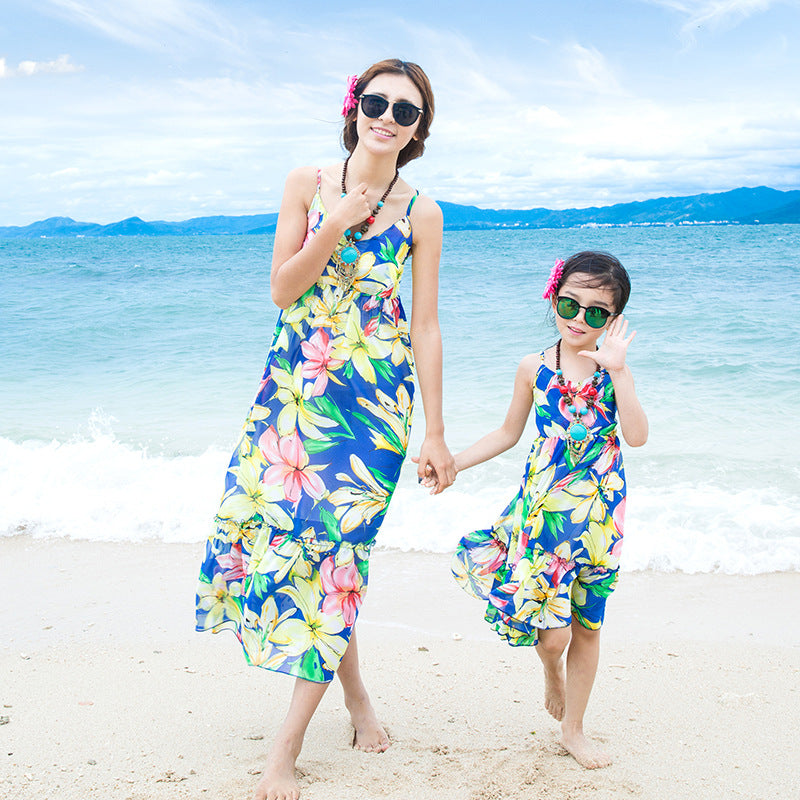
{"points": [[250, 497], [358, 504], [294, 393], [359, 346], [396, 415]]}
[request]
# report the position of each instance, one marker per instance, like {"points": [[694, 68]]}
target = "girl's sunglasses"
{"points": [[404, 113], [595, 317]]}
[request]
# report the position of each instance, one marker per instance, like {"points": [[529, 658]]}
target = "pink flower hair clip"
{"points": [[350, 98], [555, 277]]}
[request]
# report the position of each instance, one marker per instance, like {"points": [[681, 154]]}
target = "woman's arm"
{"points": [[435, 463], [296, 268], [611, 356], [507, 435]]}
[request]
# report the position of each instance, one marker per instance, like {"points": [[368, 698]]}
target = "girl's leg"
{"points": [[582, 658], [277, 780], [369, 734], [551, 646]]}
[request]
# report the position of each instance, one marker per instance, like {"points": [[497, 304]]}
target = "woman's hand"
{"points": [[611, 353], [353, 208], [436, 467]]}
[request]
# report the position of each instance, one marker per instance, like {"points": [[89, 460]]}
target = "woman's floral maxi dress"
{"points": [[315, 468], [553, 554]]}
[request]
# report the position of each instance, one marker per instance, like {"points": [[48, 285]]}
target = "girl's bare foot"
{"points": [[555, 690], [369, 733], [586, 753], [277, 780]]}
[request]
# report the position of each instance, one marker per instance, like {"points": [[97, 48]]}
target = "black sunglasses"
{"points": [[595, 316], [404, 113]]}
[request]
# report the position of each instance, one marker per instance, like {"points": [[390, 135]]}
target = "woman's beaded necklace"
{"points": [[577, 432], [346, 253]]}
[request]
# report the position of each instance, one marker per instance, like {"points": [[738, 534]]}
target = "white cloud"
{"points": [[61, 66], [715, 14], [150, 23], [593, 70]]}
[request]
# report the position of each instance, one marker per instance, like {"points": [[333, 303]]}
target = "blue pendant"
{"points": [[349, 254], [577, 432]]}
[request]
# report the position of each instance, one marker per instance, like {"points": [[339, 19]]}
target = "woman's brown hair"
{"points": [[416, 147]]}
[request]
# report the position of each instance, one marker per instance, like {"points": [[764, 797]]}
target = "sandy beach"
{"points": [[107, 691]]}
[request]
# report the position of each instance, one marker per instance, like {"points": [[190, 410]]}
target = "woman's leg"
{"points": [[277, 780], [369, 734], [551, 646], [582, 657]]}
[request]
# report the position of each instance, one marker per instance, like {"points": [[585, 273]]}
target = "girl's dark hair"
{"points": [[415, 74], [602, 270]]}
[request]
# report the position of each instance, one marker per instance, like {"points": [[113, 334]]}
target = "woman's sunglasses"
{"points": [[404, 113], [595, 317]]}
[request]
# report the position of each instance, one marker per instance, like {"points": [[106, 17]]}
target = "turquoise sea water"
{"points": [[128, 365]]}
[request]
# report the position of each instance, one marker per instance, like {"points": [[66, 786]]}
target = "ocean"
{"points": [[127, 366]]}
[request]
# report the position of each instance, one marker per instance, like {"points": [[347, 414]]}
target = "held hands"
{"points": [[353, 208], [436, 468], [611, 353]]}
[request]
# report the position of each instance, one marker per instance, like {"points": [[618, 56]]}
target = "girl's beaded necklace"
{"points": [[577, 432], [346, 253]]}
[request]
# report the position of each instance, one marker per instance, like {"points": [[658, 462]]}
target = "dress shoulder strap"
{"points": [[413, 200]]}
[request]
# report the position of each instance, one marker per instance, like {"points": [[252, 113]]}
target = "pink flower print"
{"points": [[371, 327], [289, 465], [619, 519], [317, 351], [234, 564], [558, 567], [342, 587], [313, 221]]}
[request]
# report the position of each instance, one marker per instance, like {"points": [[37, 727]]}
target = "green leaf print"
{"points": [[331, 524], [261, 585], [329, 409], [318, 445], [388, 252], [312, 669], [383, 368], [283, 364]]}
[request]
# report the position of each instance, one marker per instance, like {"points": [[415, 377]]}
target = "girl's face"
{"points": [[576, 331], [383, 135]]}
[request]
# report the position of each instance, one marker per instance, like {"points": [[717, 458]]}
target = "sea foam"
{"points": [[100, 489]]}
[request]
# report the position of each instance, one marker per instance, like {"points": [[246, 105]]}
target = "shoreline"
{"points": [[111, 694]]}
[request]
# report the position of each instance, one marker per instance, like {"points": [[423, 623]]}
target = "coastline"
{"points": [[111, 694]]}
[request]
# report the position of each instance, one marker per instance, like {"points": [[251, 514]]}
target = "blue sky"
{"points": [[170, 109]]}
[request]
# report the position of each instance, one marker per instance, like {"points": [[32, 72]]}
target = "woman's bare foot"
{"points": [[277, 780], [586, 753], [369, 733], [555, 690]]}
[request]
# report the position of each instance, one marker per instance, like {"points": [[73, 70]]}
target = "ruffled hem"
{"points": [[291, 600]]}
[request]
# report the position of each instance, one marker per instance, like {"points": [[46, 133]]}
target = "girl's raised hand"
{"points": [[611, 353]]}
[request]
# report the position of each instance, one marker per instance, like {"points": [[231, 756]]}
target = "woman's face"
{"points": [[383, 135]]}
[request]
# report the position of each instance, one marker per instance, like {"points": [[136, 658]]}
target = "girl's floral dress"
{"points": [[315, 468], [554, 552]]}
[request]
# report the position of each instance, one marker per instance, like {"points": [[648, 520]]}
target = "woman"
{"points": [[321, 451]]}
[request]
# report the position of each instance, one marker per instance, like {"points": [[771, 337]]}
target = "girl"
{"points": [[321, 450], [550, 561]]}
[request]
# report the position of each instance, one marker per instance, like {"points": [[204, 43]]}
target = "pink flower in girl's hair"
{"points": [[555, 277], [350, 98]]}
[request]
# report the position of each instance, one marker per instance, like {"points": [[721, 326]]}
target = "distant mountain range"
{"points": [[760, 205]]}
